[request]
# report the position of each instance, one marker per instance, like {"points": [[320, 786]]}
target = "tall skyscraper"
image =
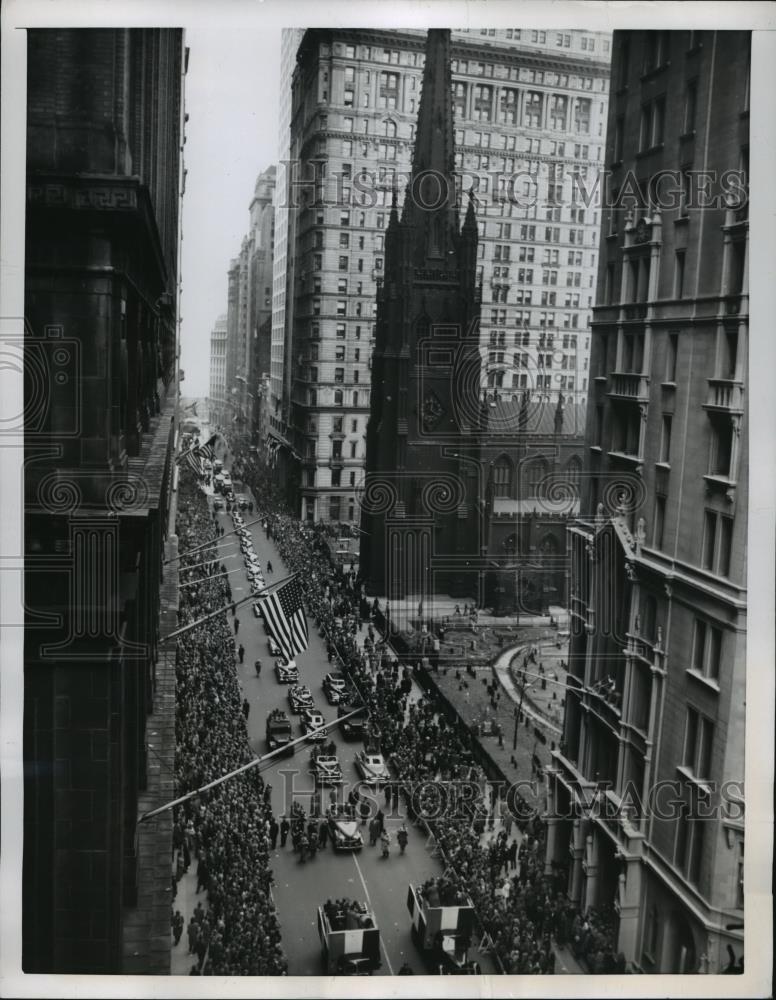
{"points": [[646, 792], [218, 336], [422, 461], [529, 111], [104, 181]]}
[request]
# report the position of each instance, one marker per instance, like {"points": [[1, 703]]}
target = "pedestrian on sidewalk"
{"points": [[203, 875], [323, 834], [177, 926], [246, 707], [236, 625], [257, 666], [273, 833], [193, 934], [285, 826], [241, 652]]}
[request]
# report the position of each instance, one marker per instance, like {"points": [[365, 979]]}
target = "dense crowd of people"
{"points": [[520, 907], [228, 826]]}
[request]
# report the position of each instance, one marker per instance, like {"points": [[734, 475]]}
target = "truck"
{"points": [[442, 930], [350, 938], [279, 732]]}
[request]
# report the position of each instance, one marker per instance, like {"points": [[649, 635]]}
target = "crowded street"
{"points": [[495, 858]]}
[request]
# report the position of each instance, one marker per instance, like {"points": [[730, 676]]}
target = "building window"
{"points": [[672, 348], [335, 477], [706, 651], [717, 542], [338, 397], [679, 274], [389, 90], [339, 352], [665, 439], [659, 522], [689, 846], [334, 508], [721, 448], [532, 109], [339, 375], [698, 739], [343, 263], [582, 110], [336, 425]]}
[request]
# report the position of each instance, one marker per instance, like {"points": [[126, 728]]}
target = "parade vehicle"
{"points": [[217, 465], [299, 697], [256, 587], [252, 573], [350, 938], [218, 503], [257, 611], [352, 728], [343, 827], [218, 482], [442, 929], [227, 479], [312, 723], [279, 732], [334, 686], [325, 767], [274, 649], [242, 501], [371, 767], [287, 672], [229, 496]]}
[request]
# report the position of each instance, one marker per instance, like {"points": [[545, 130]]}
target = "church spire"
{"points": [[434, 136], [432, 191]]}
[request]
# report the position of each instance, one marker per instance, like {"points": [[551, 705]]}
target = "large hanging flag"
{"points": [[195, 457], [286, 621]]}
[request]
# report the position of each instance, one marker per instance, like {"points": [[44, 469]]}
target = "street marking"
{"points": [[366, 892]]}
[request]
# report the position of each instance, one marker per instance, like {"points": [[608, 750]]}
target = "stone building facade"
{"points": [[104, 182], [646, 799]]}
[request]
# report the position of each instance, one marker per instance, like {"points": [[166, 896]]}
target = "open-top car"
{"points": [[343, 828], [325, 768], [299, 698], [371, 767], [287, 671], [253, 573], [256, 587], [218, 503], [257, 611], [273, 647], [334, 685], [312, 721], [242, 501]]}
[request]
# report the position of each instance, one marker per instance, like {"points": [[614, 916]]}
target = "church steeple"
{"points": [[434, 137], [432, 191]]}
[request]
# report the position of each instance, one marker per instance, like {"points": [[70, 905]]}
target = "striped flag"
{"points": [[286, 622], [195, 457]]}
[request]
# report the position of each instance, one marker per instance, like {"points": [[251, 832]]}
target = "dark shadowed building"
{"points": [[422, 487], [104, 182]]}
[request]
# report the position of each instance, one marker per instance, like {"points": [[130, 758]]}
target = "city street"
{"points": [[301, 887]]}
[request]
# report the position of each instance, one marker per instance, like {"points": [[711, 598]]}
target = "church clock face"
{"points": [[433, 411]]}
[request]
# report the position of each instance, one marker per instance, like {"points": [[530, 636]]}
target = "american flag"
{"points": [[284, 614], [195, 457]]}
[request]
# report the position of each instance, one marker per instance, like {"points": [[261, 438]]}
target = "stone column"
{"points": [[629, 902]]}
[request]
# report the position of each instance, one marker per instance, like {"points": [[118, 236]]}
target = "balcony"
{"points": [[629, 385], [336, 462], [725, 396]]}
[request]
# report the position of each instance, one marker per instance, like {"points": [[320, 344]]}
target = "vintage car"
{"points": [[218, 503], [371, 767], [242, 501], [252, 571], [286, 671], [343, 828], [299, 697], [312, 721], [273, 647], [256, 587], [334, 685], [325, 768]]}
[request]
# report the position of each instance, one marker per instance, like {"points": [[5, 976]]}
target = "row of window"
{"points": [[554, 382], [562, 361], [498, 338], [339, 375], [338, 398]]}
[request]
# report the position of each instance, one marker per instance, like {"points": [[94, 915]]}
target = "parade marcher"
{"points": [[285, 826], [257, 667], [402, 838], [241, 652], [385, 843], [246, 707], [236, 625]]}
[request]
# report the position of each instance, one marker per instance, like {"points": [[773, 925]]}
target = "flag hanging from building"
{"points": [[286, 621], [196, 457]]}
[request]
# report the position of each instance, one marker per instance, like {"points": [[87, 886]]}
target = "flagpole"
{"points": [[251, 597], [245, 767]]}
